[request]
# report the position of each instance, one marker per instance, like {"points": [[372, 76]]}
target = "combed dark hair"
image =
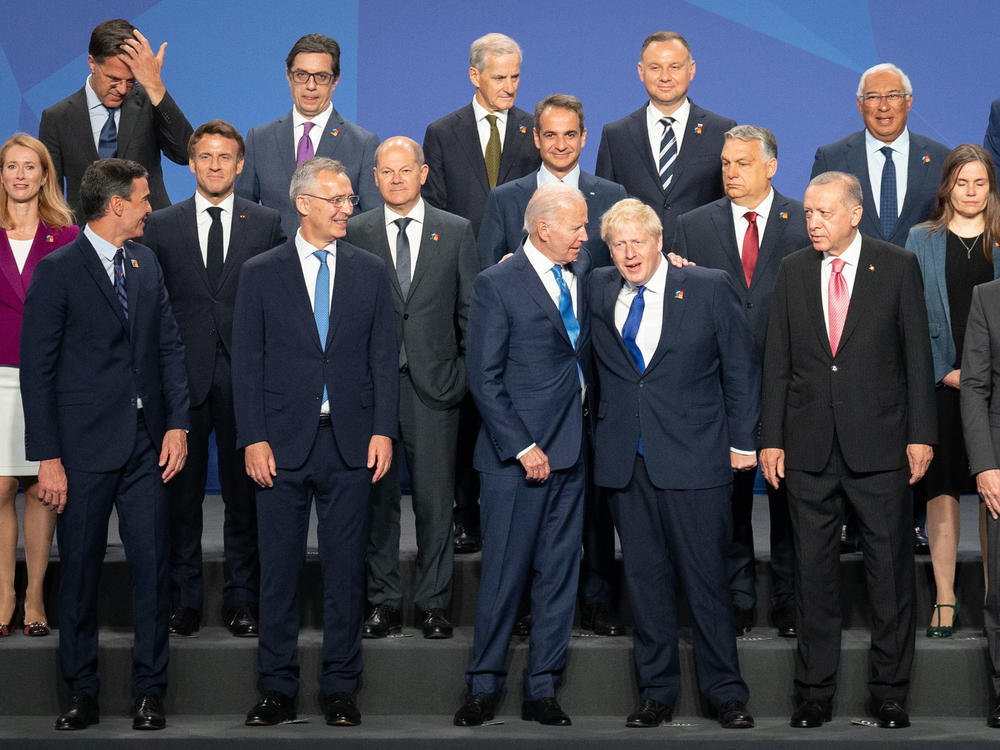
{"points": [[319, 44], [664, 36], [107, 38], [943, 211], [105, 178], [220, 128], [562, 101]]}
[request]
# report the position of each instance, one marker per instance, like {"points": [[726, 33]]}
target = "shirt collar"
{"points": [[319, 120], [763, 209], [851, 255], [545, 177], [92, 101], [657, 282], [538, 260], [416, 213], [680, 115], [900, 145], [305, 249], [201, 203], [481, 112], [104, 248]]}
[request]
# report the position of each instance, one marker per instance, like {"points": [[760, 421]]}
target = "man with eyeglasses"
{"points": [[314, 341], [312, 128], [123, 110]]}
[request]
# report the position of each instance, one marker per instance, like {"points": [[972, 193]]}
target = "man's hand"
{"points": [[919, 456], [536, 464], [772, 463], [52, 484], [173, 453], [678, 262], [952, 379], [742, 461], [379, 455], [988, 485], [145, 66], [260, 463]]}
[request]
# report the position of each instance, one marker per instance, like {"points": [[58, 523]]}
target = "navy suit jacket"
{"points": [[523, 371], [992, 138], [923, 177], [698, 396], [457, 181], [624, 157], [502, 230], [270, 164], [83, 364], [280, 366], [205, 315], [707, 237], [144, 131]]}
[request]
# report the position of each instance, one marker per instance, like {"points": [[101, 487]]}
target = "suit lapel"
{"points": [[673, 312], [857, 164], [95, 268], [345, 282], [777, 222], [429, 249], [284, 148], [515, 140], [330, 140], [920, 180], [8, 266], [79, 119], [133, 285], [534, 288], [290, 273], [126, 122], [811, 284], [378, 243], [238, 236], [190, 243], [863, 293], [605, 309], [467, 136], [639, 136], [722, 220]]}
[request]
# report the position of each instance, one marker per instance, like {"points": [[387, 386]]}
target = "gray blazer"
{"points": [[980, 379]]}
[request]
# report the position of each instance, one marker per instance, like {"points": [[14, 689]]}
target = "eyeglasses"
{"points": [[302, 76], [112, 80], [873, 100], [338, 200]]}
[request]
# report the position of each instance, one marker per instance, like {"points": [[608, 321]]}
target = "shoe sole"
{"points": [[262, 723], [342, 722]]}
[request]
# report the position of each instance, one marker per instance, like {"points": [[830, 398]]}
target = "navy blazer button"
{"points": [[213, 332], [406, 316], [749, 305]]}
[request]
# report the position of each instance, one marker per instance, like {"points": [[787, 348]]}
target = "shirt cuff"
{"points": [[743, 453], [518, 456]]}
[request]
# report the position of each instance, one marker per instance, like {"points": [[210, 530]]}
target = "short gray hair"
{"points": [[401, 140], [881, 68], [304, 179], [491, 45], [768, 143], [852, 186], [547, 201]]}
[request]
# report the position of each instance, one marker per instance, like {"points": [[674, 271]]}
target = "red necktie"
{"points": [[751, 246], [838, 298]]}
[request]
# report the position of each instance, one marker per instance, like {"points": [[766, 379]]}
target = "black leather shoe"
{"points": [[147, 713], [734, 715], [242, 622], [477, 709], [891, 715], [382, 621], [601, 619], [993, 720], [649, 713], [522, 626], [742, 621], [434, 623], [274, 708], [340, 710], [184, 622], [784, 620], [545, 711], [810, 714], [467, 541], [82, 712]]}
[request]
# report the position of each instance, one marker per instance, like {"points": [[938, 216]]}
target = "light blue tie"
{"points": [[321, 305], [566, 307]]}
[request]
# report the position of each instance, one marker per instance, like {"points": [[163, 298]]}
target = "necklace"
{"points": [[970, 246]]}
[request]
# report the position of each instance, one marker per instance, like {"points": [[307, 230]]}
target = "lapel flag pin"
{"points": [[698, 128], [523, 129], [783, 215], [49, 238], [926, 159], [243, 216], [335, 132], [679, 294], [135, 263], [871, 267], [435, 236]]}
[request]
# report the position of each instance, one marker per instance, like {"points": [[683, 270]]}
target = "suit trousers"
{"points": [[528, 527], [136, 492], [466, 477], [884, 512], [341, 495], [187, 492], [428, 439], [991, 612], [672, 537]]}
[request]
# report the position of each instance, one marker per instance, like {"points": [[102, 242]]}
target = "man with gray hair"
{"points": [[747, 234], [529, 370], [314, 344]]}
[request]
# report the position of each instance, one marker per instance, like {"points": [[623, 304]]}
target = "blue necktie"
{"points": [[120, 280], [107, 141], [321, 303], [629, 332], [887, 209], [566, 307]]}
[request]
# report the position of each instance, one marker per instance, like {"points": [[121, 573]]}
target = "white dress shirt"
{"points": [[21, 250], [545, 177], [650, 327], [654, 128], [310, 270], [740, 224], [483, 125], [204, 219], [413, 232], [298, 127], [850, 257], [876, 162], [98, 113]]}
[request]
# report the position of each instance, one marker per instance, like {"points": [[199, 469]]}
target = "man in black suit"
{"points": [[430, 258], [201, 244], [122, 110], [747, 234], [666, 153], [849, 415], [106, 411]]}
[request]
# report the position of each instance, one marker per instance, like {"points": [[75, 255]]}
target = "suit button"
{"points": [[833, 368], [666, 206], [326, 360], [406, 316], [213, 332], [749, 305], [642, 385]]}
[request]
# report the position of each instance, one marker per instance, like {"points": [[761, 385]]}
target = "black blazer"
{"points": [[204, 315], [877, 393], [457, 181]]}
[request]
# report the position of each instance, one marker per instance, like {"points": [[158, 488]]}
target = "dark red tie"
{"points": [[751, 246]]}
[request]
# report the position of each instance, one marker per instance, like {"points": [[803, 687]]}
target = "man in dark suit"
{"points": [[747, 234], [122, 110], [849, 414], [316, 411], [529, 370], [312, 128], [430, 259], [679, 384], [992, 138], [666, 153], [201, 244], [106, 411]]}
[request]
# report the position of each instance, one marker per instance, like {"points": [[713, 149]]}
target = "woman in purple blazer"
{"points": [[34, 221]]}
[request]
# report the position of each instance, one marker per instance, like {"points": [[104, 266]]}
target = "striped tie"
{"points": [[668, 152], [120, 280]]}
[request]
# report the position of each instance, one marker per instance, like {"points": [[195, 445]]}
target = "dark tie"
{"points": [[107, 142], [751, 246], [887, 209], [120, 280], [321, 303], [214, 258], [566, 307], [668, 152], [403, 256], [630, 330], [492, 154], [305, 149]]}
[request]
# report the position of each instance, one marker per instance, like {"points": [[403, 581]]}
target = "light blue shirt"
{"points": [[545, 177], [876, 161], [98, 113], [106, 252]]}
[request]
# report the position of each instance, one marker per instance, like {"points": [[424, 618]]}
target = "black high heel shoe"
{"points": [[943, 631]]}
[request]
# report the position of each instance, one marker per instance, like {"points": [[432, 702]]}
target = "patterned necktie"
{"points": [[566, 306], [751, 246], [120, 280], [403, 256], [668, 152], [214, 261], [887, 209], [838, 299], [492, 154], [629, 331], [321, 303], [107, 141], [305, 150]]}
